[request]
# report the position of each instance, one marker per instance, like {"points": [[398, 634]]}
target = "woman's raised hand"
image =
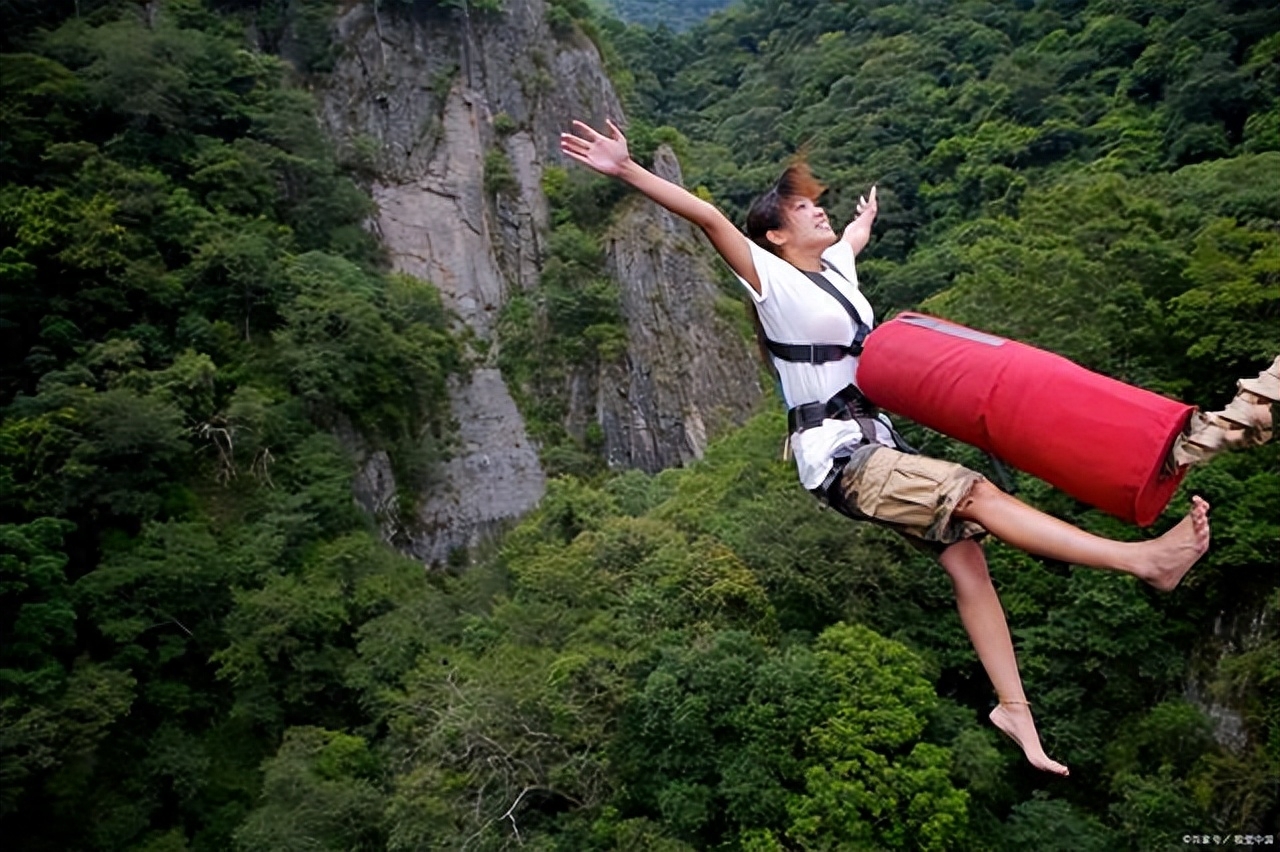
{"points": [[858, 232], [606, 154], [868, 205]]}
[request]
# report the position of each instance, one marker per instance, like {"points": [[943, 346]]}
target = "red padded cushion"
{"points": [[1099, 440]]}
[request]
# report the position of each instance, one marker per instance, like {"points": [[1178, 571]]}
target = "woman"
{"points": [[801, 277]]}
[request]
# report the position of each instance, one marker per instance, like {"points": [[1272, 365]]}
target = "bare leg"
{"points": [[984, 620], [1162, 562]]}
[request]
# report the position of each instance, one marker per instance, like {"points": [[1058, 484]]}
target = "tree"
{"points": [[318, 794]]}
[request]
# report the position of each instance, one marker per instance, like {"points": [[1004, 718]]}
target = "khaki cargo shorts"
{"points": [[912, 495]]}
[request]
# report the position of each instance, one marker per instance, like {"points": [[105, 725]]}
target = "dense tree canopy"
{"points": [[190, 306], [205, 646], [674, 14]]}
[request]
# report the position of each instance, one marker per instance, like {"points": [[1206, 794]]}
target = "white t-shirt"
{"points": [[793, 309]]}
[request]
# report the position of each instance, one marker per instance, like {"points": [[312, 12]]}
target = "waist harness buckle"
{"points": [[848, 404]]}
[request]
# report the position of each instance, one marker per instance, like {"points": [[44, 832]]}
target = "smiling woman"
{"points": [[803, 285]]}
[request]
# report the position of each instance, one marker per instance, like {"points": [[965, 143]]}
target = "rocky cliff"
{"points": [[687, 372], [439, 103]]}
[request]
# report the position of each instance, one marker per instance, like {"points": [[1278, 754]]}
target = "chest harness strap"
{"points": [[849, 403], [822, 353]]}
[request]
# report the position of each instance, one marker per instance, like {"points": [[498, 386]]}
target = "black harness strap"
{"points": [[809, 353], [860, 328], [848, 404], [822, 353]]}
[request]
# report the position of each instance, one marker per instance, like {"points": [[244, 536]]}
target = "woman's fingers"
{"points": [[572, 146], [568, 140], [604, 154], [591, 133], [867, 203], [578, 149]]}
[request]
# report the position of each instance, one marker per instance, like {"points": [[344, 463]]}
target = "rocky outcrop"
{"points": [[432, 96], [478, 497], [688, 373], [458, 115], [1244, 631]]}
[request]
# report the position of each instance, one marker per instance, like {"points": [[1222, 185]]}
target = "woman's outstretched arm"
{"points": [[858, 232], [609, 156]]}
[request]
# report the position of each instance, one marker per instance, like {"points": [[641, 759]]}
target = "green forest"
{"points": [[205, 646], [673, 14]]}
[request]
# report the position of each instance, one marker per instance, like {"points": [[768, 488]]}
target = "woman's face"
{"points": [[805, 226]]}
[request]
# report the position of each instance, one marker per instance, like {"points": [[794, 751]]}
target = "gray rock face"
{"points": [[1244, 630], [459, 115], [421, 93], [479, 497], [689, 373]]}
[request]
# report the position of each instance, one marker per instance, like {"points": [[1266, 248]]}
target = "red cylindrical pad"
{"points": [[1099, 440]]}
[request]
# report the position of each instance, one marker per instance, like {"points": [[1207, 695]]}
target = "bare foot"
{"points": [[1014, 719], [1167, 559]]}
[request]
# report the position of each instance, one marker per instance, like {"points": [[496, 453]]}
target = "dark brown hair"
{"points": [[765, 214]]}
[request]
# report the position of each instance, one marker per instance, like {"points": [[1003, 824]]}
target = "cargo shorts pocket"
{"points": [[908, 496]]}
